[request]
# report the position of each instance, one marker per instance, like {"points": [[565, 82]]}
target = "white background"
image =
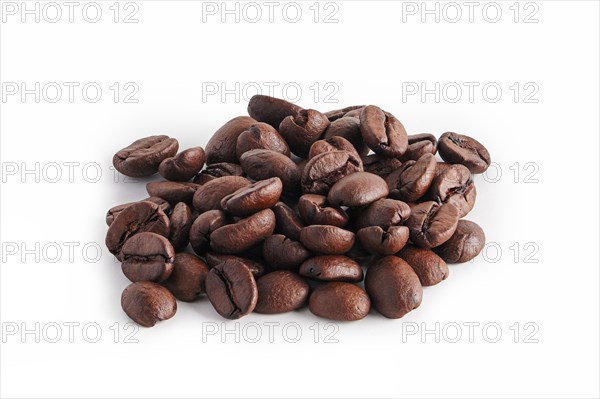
{"points": [[376, 52]]}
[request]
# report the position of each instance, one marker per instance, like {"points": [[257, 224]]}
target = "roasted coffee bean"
{"points": [[335, 143], [261, 136], [172, 192], [243, 235], [432, 224], [455, 186], [456, 148], [264, 164], [441, 167], [384, 213], [303, 129], [339, 113], [328, 240], [357, 189], [430, 268], [188, 278], [380, 165], [248, 200], [313, 210], [115, 210], [465, 244], [218, 170], [413, 179], [256, 267], [325, 169], [221, 146], [147, 257], [137, 218], [281, 291], [355, 113], [271, 110], [382, 132], [180, 223], [383, 242], [340, 301], [332, 268], [282, 253], [231, 289], [348, 128], [419, 145], [202, 228], [142, 157], [146, 303], [358, 253], [393, 287], [209, 195], [288, 222], [183, 166]]}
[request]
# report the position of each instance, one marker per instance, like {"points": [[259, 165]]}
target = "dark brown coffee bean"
{"points": [[180, 223], [419, 145], [430, 268], [332, 268], [355, 113], [357, 189], [380, 165], [281, 291], [243, 235], [209, 195], [324, 170], [172, 192], [328, 240], [231, 289], [393, 287], [256, 267], [261, 136], [313, 210], [264, 164], [137, 218], [282, 253], [183, 166], [115, 210], [348, 128], [465, 244], [383, 242], [202, 228], [413, 179], [431, 224], [146, 303], [147, 257], [288, 222], [221, 146], [335, 143], [271, 110], [142, 157], [382, 132], [303, 129], [441, 167], [340, 301], [456, 148], [339, 113], [218, 170], [248, 200], [455, 186], [383, 213], [188, 278]]}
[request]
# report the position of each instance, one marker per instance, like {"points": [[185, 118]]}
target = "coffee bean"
{"points": [[328, 240], [271, 110], [339, 113], [332, 268], [281, 291], [348, 128], [282, 253], [288, 222], [419, 145], [355, 113], [456, 148], [441, 167], [383, 242], [202, 228], [209, 195], [137, 218], [183, 166], [340, 301], [384, 213], [147, 257], [335, 143], [303, 129], [216, 170], [243, 235], [261, 136], [221, 146], [357, 189], [393, 287], [231, 289], [256, 267], [142, 157], [465, 244], [380, 165], [431, 224], [188, 278], [430, 268], [146, 303], [313, 210], [455, 186], [115, 210], [264, 164], [256, 197], [382, 132], [180, 223], [413, 179], [172, 192], [325, 169]]}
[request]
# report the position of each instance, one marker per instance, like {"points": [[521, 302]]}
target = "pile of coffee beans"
{"points": [[296, 207]]}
